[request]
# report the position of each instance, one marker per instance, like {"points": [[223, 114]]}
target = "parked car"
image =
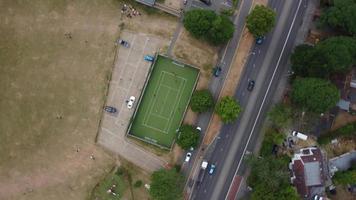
{"points": [[259, 40], [217, 71], [251, 85], [110, 109], [149, 58], [187, 157], [131, 102], [123, 43], [206, 2], [212, 169], [199, 128], [185, 2]]}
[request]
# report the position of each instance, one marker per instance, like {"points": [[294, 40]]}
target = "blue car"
{"points": [[217, 71], [149, 58], [110, 109], [260, 40], [212, 169]]}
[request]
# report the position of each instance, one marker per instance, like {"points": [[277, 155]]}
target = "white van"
{"points": [[300, 135]]}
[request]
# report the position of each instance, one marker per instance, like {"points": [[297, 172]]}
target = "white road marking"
{"points": [[265, 96]]}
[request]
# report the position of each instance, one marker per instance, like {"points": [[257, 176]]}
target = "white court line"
{"points": [[265, 96], [151, 102], [175, 106]]}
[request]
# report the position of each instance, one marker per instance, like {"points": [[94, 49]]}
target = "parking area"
{"points": [[128, 77]]}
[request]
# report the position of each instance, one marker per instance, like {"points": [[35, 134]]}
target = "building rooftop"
{"points": [[307, 171]]}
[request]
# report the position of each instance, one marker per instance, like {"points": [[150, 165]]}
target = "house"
{"points": [[342, 162], [309, 172], [147, 2]]}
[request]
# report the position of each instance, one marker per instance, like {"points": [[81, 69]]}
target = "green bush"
{"points": [[272, 137], [345, 177], [347, 131], [138, 184], [201, 101]]}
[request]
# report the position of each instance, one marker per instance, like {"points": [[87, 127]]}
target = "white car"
{"points": [[199, 128], [187, 157], [131, 102]]}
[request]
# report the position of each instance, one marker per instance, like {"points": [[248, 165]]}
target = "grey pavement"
{"points": [[216, 83], [128, 78], [266, 66]]}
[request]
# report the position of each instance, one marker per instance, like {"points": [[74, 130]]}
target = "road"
{"points": [[265, 65], [216, 84]]}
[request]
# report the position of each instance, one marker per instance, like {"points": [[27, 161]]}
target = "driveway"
{"points": [[128, 77]]}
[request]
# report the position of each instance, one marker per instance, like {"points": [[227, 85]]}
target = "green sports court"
{"points": [[163, 102]]}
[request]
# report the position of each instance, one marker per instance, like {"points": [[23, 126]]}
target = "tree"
{"points": [[207, 25], [166, 185], [301, 59], [221, 31], [188, 137], [228, 109], [261, 20], [198, 22], [316, 95], [334, 55], [201, 101], [269, 179], [280, 115], [341, 15]]}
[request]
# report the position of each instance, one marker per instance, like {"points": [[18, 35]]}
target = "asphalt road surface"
{"points": [[266, 64], [216, 83]]}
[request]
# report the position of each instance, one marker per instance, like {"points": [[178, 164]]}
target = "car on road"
{"points": [[199, 129], [187, 157], [217, 71], [149, 58], [259, 40], [123, 43], [206, 2], [251, 85], [130, 102], [110, 109], [212, 169], [185, 2]]}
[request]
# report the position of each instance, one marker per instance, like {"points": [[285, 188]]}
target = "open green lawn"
{"points": [[164, 102]]}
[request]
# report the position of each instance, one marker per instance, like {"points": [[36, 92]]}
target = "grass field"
{"points": [[164, 102]]}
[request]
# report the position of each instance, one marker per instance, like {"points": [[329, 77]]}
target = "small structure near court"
{"points": [[147, 2], [163, 103]]}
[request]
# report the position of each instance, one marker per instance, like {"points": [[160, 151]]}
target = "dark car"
{"points": [[206, 2], [110, 109], [259, 40], [251, 85], [217, 71], [123, 43]]}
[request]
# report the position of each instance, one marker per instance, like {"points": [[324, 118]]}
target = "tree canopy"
{"points": [[201, 101], [334, 55], [188, 137], [341, 15], [316, 95], [207, 25], [228, 109], [269, 179], [166, 185], [280, 115], [261, 20]]}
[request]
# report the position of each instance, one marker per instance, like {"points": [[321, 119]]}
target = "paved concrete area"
{"points": [[128, 78]]}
